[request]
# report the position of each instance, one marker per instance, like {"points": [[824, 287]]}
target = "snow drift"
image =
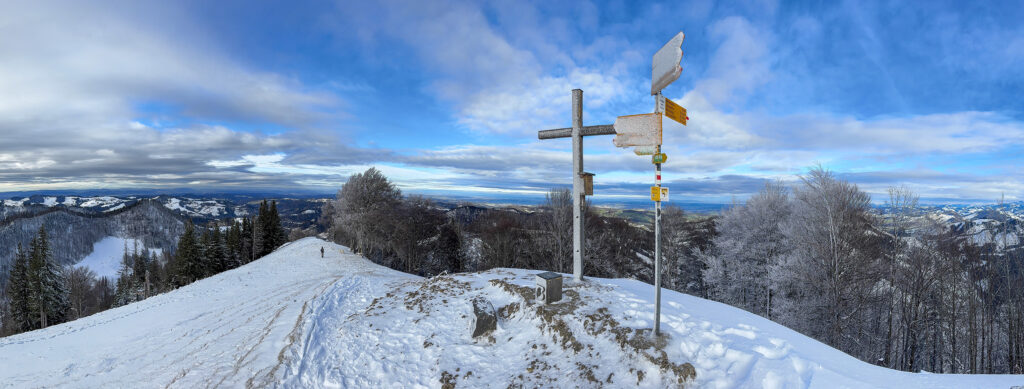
{"points": [[292, 319]]}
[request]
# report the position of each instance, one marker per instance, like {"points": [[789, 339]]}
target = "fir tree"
{"points": [[139, 260], [131, 277], [126, 286], [187, 261], [247, 241], [18, 290], [215, 251], [48, 297], [141, 273], [269, 234], [233, 243], [206, 267], [275, 233], [155, 280], [259, 231]]}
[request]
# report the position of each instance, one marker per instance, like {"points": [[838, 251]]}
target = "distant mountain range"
{"points": [[1000, 225], [295, 212]]}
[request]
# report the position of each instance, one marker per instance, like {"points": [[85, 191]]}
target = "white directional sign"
{"points": [[644, 150], [638, 130], [665, 66]]}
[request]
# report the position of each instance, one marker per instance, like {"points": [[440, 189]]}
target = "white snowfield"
{"points": [[292, 319], [107, 255]]}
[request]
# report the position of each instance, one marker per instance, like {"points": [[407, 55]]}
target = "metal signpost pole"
{"points": [[657, 229], [657, 246], [577, 184], [665, 69]]}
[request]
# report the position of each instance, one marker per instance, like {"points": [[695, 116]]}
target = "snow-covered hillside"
{"points": [[107, 255], [292, 319]]}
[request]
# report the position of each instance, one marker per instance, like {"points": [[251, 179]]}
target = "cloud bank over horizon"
{"points": [[447, 96]]}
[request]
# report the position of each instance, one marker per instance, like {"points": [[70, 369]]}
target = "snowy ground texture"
{"points": [[292, 319]]}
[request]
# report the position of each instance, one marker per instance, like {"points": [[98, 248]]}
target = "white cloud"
{"points": [[92, 63], [741, 63], [498, 81], [542, 104]]}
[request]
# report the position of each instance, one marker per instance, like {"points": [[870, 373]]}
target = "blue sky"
{"points": [[446, 97]]}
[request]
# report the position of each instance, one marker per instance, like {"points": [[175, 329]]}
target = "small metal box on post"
{"points": [[588, 184], [549, 287]]}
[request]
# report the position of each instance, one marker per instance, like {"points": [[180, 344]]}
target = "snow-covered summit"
{"points": [[294, 319]]}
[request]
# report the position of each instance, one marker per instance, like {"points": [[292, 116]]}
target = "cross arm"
{"points": [[605, 129]]}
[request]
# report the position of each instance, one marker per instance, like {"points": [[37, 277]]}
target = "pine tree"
{"points": [[18, 290], [187, 261], [233, 243], [215, 251], [121, 293], [139, 261], [206, 265], [247, 241], [141, 273], [275, 232], [155, 281], [258, 234], [48, 297], [126, 286]]}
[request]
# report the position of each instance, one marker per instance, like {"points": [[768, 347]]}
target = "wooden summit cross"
{"points": [[577, 132]]}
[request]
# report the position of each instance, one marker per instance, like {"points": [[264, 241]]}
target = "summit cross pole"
{"points": [[577, 185], [579, 178]]}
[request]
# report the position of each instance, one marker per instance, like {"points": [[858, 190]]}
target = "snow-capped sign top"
{"points": [[665, 66]]}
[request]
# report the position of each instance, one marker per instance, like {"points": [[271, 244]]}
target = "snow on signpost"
{"points": [[665, 65], [638, 130]]}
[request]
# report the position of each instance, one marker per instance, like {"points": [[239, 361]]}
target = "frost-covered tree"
{"points": [[750, 246], [829, 277], [899, 208], [362, 217], [558, 225], [48, 293], [127, 287], [20, 316]]}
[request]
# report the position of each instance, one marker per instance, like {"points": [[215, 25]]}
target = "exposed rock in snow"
{"points": [[486, 319]]}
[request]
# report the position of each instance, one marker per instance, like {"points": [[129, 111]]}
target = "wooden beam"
{"points": [[605, 129]]}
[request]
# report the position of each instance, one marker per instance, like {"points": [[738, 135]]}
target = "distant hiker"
{"points": [[321, 251]]}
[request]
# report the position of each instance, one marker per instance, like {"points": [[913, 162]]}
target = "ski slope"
{"points": [[292, 319]]}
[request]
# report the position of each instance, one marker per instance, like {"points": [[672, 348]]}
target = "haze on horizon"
{"points": [[446, 96]]}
